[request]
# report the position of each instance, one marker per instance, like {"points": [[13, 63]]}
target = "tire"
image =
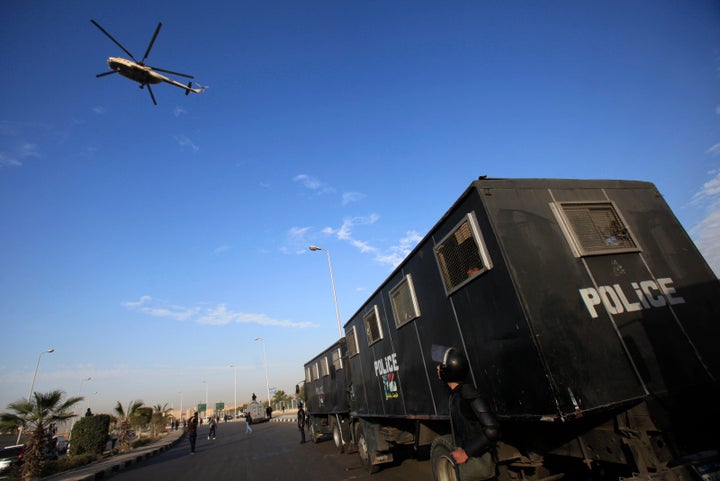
{"points": [[443, 467], [313, 433], [364, 452], [337, 438]]}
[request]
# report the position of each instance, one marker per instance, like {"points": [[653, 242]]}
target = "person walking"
{"points": [[213, 427], [248, 423], [475, 429], [301, 421], [192, 426]]}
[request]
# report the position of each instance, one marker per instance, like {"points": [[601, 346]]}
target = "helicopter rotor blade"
{"points": [[171, 72], [152, 95], [105, 73], [150, 46], [113, 39]]}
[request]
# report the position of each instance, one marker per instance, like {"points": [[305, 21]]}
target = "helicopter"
{"points": [[143, 74]]}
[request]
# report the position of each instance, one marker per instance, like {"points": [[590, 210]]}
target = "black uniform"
{"points": [[301, 423], [475, 429]]}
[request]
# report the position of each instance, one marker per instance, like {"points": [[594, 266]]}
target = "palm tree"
{"points": [[36, 416], [160, 414], [123, 423]]}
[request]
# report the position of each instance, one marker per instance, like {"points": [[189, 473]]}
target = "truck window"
{"points": [[404, 302], [461, 254], [316, 371], [372, 325], [308, 377], [337, 359], [324, 367], [594, 228], [351, 340]]}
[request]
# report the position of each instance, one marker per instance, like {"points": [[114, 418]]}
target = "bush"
{"points": [[90, 435], [66, 462]]}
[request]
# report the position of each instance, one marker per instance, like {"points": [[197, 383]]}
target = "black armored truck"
{"points": [[590, 320]]}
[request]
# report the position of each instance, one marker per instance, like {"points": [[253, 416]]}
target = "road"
{"points": [[271, 452]]}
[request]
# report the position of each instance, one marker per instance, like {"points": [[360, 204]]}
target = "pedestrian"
{"points": [[88, 413], [213, 426], [301, 422], [475, 430], [268, 412], [248, 423], [192, 426]]}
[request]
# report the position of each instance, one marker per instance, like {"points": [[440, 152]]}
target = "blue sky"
{"points": [[149, 245]]}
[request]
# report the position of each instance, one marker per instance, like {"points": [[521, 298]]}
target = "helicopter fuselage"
{"points": [[134, 71]]}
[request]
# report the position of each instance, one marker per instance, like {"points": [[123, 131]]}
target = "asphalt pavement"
{"points": [[107, 467]]}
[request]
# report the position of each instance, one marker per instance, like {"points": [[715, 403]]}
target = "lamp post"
{"points": [[267, 384], [83, 381], [181, 401], [235, 405], [206, 398], [32, 385], [332, 282]]}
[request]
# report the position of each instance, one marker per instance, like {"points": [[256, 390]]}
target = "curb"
{"points": [[107, 467]]}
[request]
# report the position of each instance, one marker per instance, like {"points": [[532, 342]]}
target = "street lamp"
{"points": [[206, 398], [32, 386], [235, 405], [181, 401], [332, 282], [267, 384]]}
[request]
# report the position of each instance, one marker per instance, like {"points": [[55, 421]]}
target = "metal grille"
{"points": [[404, 302], [598, 228], [351, 343], [372, 326], [337, 360], [324, 368], [459, 256]]}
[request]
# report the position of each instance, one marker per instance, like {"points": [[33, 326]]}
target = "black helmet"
{"points": [[454, 366]]}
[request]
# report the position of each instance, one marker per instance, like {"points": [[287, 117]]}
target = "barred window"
{"points": [[594, 228], [352, 345], [316, 371], [404, 302], [461, 254], [324, 367], [372, 325], [337, 359]]}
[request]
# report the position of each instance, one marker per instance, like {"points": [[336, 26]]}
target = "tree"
{"points": [[159, 418], [37, 417], [123, 423], [90, 435], [281, 398]]}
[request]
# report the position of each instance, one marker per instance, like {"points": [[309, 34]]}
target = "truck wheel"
{"points": [[364, 452], [337, 438], [313, 433], [443, 466]]}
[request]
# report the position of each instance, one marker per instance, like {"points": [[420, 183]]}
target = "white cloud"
{"points": [[349, 197], [98, 109], [314, 184], [707, 238], [179, 111], [222, 248], [391, 255], [185, 141], [706, 233], [219, 315], [9, 160], [146, 305]]}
